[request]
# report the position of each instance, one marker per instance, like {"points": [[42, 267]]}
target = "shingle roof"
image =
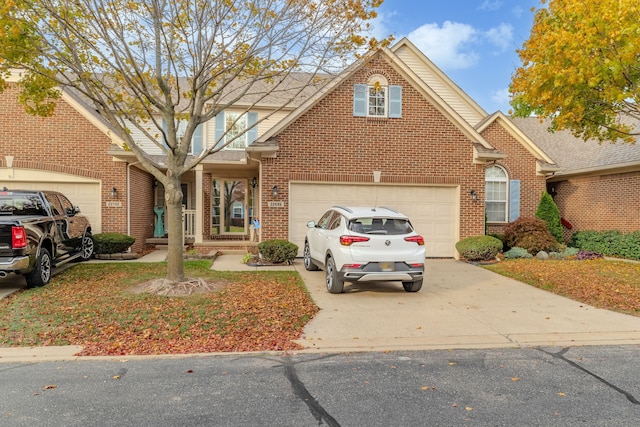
{"points": [[573, 154]]}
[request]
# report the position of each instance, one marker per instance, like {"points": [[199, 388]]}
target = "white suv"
{"points": [[358, 244]]}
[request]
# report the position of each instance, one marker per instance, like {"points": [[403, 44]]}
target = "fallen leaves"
{"points": [[612, 285], [90, 305]]}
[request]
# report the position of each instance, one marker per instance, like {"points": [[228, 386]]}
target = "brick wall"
{"points": [[520, 164], [328, 144], [606, 202], [68, 143], [142, 219]]}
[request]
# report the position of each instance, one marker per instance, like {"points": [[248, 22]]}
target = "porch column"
{"points": [[199, 205]]}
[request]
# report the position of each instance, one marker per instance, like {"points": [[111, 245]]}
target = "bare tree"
{"points": [[163, 67]]}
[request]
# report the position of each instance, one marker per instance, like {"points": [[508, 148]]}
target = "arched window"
{"points": [[496, 194]]}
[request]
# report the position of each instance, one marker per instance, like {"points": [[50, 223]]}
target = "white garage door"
{"points": [[433, 210], [81, 191]]}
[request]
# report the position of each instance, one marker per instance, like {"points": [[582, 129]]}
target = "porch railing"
{"points": [[189, 223]]}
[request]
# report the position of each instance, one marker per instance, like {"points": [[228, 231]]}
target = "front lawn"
{"points": [[612, 285], [96, 306]]}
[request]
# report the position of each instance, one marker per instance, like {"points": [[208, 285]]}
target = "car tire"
{"points": [[88, 247], [412, 286], [308, 263], [41, 274], [334, 284]]}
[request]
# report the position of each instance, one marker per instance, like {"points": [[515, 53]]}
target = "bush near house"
{"points": [[610, 243], [112, 243], [531, 234], [548, 212], [479, 248], [278, 251]]}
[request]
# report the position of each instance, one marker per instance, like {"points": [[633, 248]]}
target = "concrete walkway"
{"points": [[459, 306]]}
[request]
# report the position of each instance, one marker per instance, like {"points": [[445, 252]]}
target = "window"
{"points": [[377, 101], [237, 128], [196, 138], [377, 98], [496, 194]]}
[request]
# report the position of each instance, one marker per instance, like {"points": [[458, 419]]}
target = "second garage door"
{"points": [[433, 210], [83, 192]]}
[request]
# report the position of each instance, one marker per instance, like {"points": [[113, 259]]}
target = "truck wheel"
{"points": [[88, 247], [334, 284], [41, 274], [412, 286], [308, 264]]}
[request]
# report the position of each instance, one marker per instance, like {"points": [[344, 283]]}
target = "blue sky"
{"points": [[473, 41]]}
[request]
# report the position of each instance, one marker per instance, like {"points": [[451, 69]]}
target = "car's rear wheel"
{"points": [[41, 274], [334, 284], [308, 264], [412, 286]]}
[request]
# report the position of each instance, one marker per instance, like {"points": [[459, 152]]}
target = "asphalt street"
{"points": [[544, 386]]}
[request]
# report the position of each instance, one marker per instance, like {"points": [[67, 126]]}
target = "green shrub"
{"points": [[549, 213], [278, 251], [566, 253], [611, 243], [501, 238], [517, 252], [112, 243], [531, 234], [479, 248]]}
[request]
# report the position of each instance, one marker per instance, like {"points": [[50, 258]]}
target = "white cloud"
{"points": [[501, 36], [490, 5], [501, 96], [449, 46]]}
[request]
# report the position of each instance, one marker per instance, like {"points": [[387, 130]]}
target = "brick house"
{"points": [[597, 186], [392, 130]]}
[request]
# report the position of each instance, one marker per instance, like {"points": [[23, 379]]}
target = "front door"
{"points": [[229, 210]]}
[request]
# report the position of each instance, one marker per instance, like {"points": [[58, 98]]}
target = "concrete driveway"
{"points": [[460, 306]]}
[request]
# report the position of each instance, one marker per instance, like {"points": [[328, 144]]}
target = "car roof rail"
{"points": [[343, 208]]}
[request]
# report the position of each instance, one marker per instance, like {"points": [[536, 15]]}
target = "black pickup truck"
{"points": [[40, 230]]}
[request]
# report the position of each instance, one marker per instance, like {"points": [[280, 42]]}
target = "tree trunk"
{"points": [[173, 197]]}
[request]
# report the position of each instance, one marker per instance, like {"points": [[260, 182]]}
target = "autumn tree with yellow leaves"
{"points": [[164, 67], [581, 68]]}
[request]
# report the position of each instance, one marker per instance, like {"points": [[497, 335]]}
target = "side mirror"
{"points": [[311, 224]]}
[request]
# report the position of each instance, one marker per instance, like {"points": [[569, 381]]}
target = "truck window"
{"points": [[20, 204], [54, 203]]}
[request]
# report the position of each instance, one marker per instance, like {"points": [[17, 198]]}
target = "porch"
{"points": [[236, 243]]}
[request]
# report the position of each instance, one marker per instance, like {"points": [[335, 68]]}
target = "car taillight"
{"points": [[349, 240], [415, 239], [18, 237]]}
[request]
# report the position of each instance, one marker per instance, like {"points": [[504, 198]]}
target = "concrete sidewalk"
{"points": [[460, 306]]}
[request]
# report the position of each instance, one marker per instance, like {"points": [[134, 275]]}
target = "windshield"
{"points": [[20, 204], [380, 226]]}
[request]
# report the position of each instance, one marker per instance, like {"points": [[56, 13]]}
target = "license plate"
{"points": [[387, 266]]}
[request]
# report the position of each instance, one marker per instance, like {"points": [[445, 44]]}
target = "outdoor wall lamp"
{"points": [[275, 191], [254, 182], [474, 195], [114, 192]]}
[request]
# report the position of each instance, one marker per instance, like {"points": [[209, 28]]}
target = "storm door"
{"points": [[229, 207]]}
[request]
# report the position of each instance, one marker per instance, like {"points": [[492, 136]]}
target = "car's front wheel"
{"points": [[308, 264], [41, 274], [88, 246], [412, 286], [334, 284]]}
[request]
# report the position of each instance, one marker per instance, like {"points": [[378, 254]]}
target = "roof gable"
{"points": [[408, 74], [439, 82]]}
